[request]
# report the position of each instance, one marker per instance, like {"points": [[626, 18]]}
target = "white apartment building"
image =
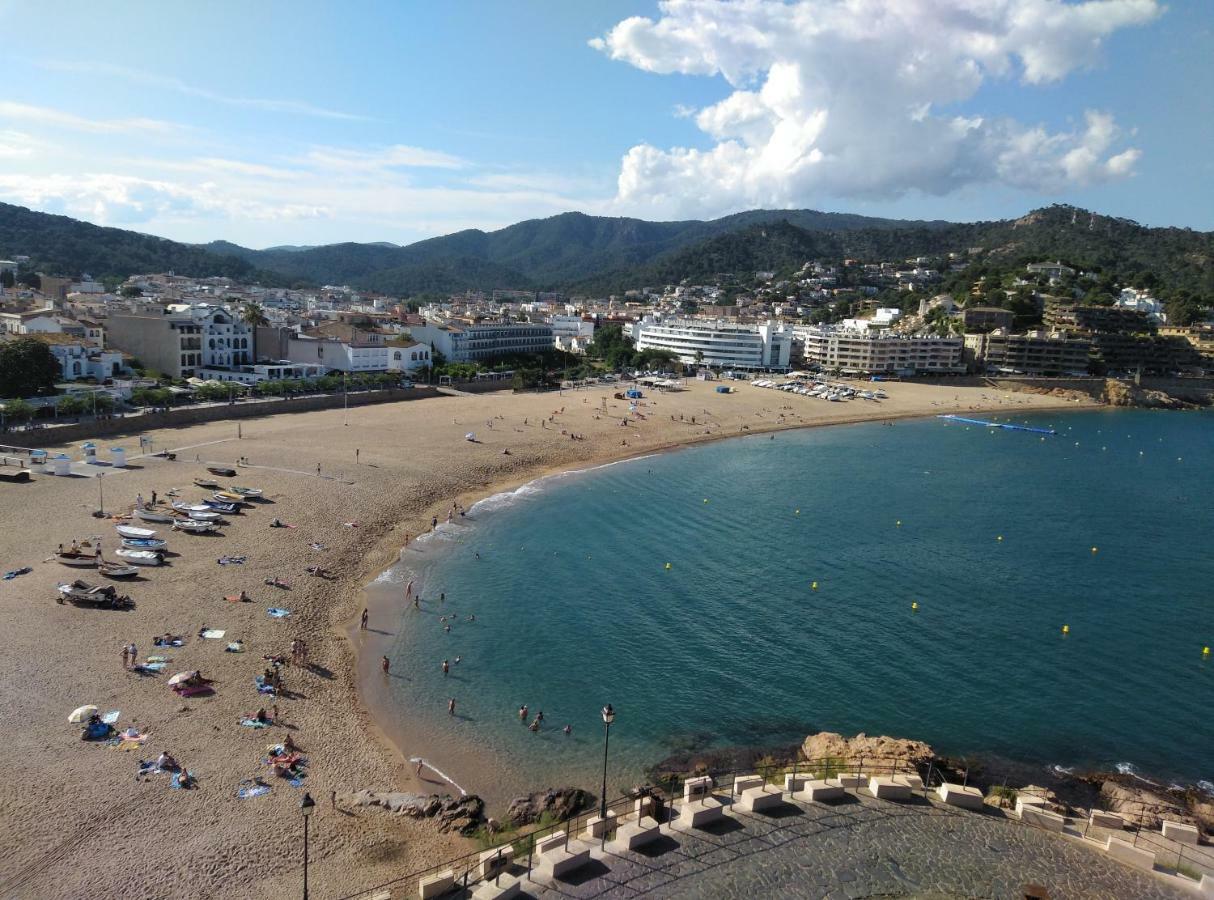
{"points": [[282, 370], [34, 321], [854, 352], [180, 339], [461, 342], [408, 358], [720, 344], [571, 333]]}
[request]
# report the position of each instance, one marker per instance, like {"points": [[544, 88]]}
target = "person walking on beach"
{"points": [[451, 707], [384, 664], [126, 654], [409, 590], [362, 625], [133, 653], [434, 523], [446, 668]]}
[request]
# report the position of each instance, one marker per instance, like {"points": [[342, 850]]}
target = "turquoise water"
{"points": [[575, 606]]}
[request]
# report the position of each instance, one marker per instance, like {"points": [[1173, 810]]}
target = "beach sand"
{"points": [[73, 818]]}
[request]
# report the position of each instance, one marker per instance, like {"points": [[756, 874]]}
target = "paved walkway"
{"points": [[860, 848]]}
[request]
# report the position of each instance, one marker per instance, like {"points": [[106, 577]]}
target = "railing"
{"points": [[466, 868]]}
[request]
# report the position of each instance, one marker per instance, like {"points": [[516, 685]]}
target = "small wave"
{"points": [[440, 773], [505, 498], [1126, 768], [1062, 770], [1206, 787]]}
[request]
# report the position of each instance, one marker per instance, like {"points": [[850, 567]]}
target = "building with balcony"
{"points": [[865, 352], [1034, 353], [180, 340], [720, 344], [466, 342]]}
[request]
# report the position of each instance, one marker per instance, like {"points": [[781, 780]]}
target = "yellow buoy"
{"points": [[668, 565], [915, 605], [1066, 629], [1205, 651], [814, 586]]}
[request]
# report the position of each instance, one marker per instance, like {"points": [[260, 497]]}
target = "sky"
{"points": [[304, 122]]}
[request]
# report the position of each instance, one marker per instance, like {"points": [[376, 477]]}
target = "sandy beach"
{"points": [[73, 817]]}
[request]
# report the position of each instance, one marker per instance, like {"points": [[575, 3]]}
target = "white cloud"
{"points": [[851, 98], [398, 156], [151, 79], [57, 118]]}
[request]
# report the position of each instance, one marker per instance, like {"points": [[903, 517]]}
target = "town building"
{"points": [[180, 340], [1034, 353], [571, 333], [34, 321], [981, 319], [720, 344], [281, 370], [1049, 269], [866, 352], [466, 342], [409, 358], [78, 359], [1062, 314]]}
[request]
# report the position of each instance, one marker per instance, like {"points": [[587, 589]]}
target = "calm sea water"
{"points": [[679, 588]]}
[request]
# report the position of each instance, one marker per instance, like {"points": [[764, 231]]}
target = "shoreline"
{"points": [[414, 461], [378, 602]]}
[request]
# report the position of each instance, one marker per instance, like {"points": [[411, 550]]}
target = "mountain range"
{"points": [[579, 253]]}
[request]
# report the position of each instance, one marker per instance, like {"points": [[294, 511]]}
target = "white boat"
{"points": [[193, 526], [144, 543], [111, 570], [140, 557], [245, 491], [199, 511], [130, 531], [148, 516]]}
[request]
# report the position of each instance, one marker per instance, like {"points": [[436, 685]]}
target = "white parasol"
{"points": [[180, 677], [81, 714]]}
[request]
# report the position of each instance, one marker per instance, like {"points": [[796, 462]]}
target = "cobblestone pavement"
{"points": [[860, 848]]}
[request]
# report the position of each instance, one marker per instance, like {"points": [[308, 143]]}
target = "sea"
{"points": [[998, 594]]}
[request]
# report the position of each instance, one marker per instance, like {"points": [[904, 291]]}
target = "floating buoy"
{"points": [[798, 512], [915, 605], [1095, 549], [1066, 629], [999, 538], [668, 565], [1205, 651], [705, 499], [814, 586], [899, 523]]}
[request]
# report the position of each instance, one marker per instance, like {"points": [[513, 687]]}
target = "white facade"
{"points": [[1131, 298], [854, 352], [717, 343], [411, 358], [279, 371], [341, 356], [38, 321], [81, 361], [571, 333], [463, 343]]}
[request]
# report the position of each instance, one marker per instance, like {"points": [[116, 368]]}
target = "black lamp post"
{"points": [[608, 718], [306, 805]]}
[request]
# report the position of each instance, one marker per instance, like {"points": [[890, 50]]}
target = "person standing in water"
{"points": [[363, 623], [385, 664], [451, 707], [446, 668]]}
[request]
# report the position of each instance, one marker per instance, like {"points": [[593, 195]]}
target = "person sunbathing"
{"points": [[166, 763]]}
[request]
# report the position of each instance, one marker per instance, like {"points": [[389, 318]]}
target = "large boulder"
{"points": [[557, 803], [463, 814], [878, 750], [1141, 806]]}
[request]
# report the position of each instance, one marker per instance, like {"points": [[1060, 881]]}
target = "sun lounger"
{"points": [[960, 795], [752, 795], [886, 787], [556, 860]]}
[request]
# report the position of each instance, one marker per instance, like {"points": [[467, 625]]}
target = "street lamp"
{"points": [[306, 806], [608, 718]]}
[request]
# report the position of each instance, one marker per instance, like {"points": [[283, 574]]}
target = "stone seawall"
{"points": [[183, 416]]}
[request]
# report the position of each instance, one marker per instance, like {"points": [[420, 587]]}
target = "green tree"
{"points": [[27, 368], [254, 316], [16, 410], [131, 290], [7, 279], [71, 405]]}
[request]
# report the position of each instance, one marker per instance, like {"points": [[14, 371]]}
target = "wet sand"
{"points": [[72, 815]]}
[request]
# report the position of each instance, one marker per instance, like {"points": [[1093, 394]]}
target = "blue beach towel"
{"points": [[176, 784], [9, 576], [253, 723], [278, 613], [252, 790]]}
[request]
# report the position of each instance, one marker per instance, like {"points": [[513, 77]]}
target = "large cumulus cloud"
{"points": [[860, 98]]}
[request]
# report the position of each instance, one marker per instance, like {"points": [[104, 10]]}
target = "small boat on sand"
{"points": [[228, 497], [110, 570], [130, 531], [140, 557], [148, 515], [222, 471], [144, 543], [209, 483], [222, 506], [245, 491], [193, 526], [78, 559], [81, 593]]}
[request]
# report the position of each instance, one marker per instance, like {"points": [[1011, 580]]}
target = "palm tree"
{"points": [[253, 315]]}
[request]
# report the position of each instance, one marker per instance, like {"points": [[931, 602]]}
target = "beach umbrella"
{"points": [[180, 677], [80, 714]]}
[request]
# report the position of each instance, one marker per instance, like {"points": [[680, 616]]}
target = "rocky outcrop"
{"points": [[463, 815], [1120, 393], [878, 750], [557, 803], [1142, 806]]}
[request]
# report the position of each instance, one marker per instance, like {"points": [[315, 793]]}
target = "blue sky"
{"points": [[308, 122]]}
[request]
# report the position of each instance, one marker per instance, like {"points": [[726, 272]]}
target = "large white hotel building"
{"points": [[725, 345]]}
